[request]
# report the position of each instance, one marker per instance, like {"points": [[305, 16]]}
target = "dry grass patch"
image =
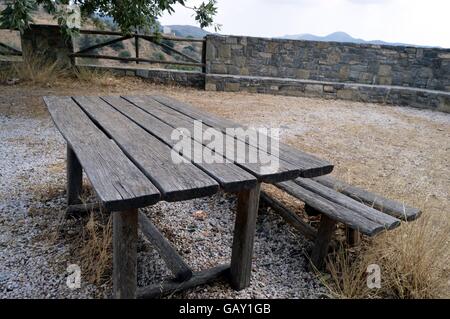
{"points": [[95, 76], [91, 242], [39, 71], [94, 249], [289, 201], [47, 192], [347, 276], [414, 261], [6, 73]]}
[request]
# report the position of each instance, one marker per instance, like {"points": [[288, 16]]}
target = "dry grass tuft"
{"points": [[95, 249], [414, 262], [95, 76], [415, 259], [47, 192], [39, 71], [347, 275], [6, 73]]}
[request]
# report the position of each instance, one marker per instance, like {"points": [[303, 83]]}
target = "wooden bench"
{"points": [[125, 147], [360, 211]]}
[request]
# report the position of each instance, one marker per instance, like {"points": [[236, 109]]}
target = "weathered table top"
{"points": [[125, 146]]}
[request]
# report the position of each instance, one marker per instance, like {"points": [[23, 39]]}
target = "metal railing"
{"points": [[156, 40]]}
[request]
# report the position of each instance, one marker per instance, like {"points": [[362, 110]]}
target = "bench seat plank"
{"points": [[310, 165], [175, 181], [263, 171], [119, 184], [230, 177], [387, 206], [388, 221], [333, 210]]}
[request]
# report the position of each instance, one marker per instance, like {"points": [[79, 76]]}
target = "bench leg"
{"points": [[244, 233], [74, 178], [352, 236], [125, 235], [322, 242]]}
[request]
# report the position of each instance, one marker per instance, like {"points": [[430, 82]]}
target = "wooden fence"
{"points": [[7, 50], [87, 52]]}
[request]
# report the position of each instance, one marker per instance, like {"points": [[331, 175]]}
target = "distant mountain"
{"points": [[187, 31], [338, 37]]}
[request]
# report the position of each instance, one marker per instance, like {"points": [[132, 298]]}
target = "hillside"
{"points": [[339, 37], [124, 49], [187, 31]]}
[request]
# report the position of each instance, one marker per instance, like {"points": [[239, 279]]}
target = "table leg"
{"points": [[125, 235], [74, 177], [244, 233], [325, 233]]}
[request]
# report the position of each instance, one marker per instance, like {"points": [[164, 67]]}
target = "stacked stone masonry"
{"points": [[394, 95], [158, 76], [425, 68], [419, 77]]}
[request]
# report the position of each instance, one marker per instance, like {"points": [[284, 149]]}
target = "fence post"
{"points": [[136, 46], [204, 55]]}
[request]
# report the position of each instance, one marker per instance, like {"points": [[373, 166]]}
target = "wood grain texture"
{"points": [[387, 221], [244, 234], [175, 178], [259, 166], [125, 235], [309, 165], [169, 287], [165, 249], [119, 184], [74, 177], [230, 177], [387, 206], [322, 242], [333, 210], [352, 237]]}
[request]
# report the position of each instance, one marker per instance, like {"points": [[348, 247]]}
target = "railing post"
{"points": [[136, 46], [204, 55]]}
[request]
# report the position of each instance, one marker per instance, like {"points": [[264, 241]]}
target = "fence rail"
{"points": [[154, 39], [9, 50], [87, 52]]}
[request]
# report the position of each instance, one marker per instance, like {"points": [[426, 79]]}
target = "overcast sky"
{"points": [[424, 22]]}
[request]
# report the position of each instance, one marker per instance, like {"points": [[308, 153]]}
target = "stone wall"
{"points": [[158, 76], [396, 95], [46, 41], [173, 77], [329, 61]]}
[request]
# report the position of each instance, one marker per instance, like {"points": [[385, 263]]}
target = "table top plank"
{"points": [[264, 172], [230, 177], [130, 150], [310, 165], [175, 181], [119, 184]]}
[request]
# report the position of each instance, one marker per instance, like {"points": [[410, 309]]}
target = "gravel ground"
{"points": [[37, 243]]}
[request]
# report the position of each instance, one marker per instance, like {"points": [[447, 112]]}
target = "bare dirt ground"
{"points": [[399, 152]]}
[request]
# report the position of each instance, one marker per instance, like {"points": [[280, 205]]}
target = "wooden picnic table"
{"points": [[124, 145]]}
